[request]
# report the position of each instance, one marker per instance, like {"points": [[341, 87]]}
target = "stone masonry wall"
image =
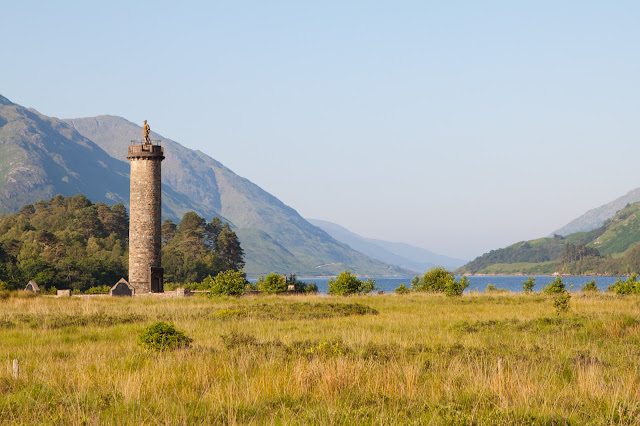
{"points": [[145, 214]]}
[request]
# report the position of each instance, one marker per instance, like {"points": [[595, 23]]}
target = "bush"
{"points": [[402, 289], [493, 289], [439, 280], [590, 287], [101, 289], [226, 283], [301, 286], [630, 286], [345, 284], [161, 336], [528, 285], [554, 287], [310, 288], [456, 288], [272, 284], [367, 286], [561, 302]]}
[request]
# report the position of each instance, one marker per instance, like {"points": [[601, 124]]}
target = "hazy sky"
{"points": [[457, 126]]}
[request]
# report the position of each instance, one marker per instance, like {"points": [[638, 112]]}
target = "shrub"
{"points": [[561, 302], [590, 287], [301, 286], [402, 289], [161, 336], [528, 285], [456, 288], [493, 289], [226, 283], [273, 284], [367, 286], [101, 289], [630, 286], [310, 288], [439, 280], [554, 287], [346, 283]]}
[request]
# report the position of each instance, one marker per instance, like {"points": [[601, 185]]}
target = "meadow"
{"points": [[379, 359]]}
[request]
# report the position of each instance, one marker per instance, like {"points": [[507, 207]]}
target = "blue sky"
{"points": [[457, 126]]}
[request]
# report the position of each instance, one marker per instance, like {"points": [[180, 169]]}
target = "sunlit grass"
{"points": [[423, 359]]}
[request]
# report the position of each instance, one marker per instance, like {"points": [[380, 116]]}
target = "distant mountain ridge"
{"points": [[595, 218], [42, 156], [414, 258]]}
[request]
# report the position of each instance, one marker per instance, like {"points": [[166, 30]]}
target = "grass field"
{"points": [[384, 359]]}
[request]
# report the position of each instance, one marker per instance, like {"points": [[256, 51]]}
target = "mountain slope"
{"points": [[594, 218], [405, 255], [42, 156], [616, 242], [275, 237]]}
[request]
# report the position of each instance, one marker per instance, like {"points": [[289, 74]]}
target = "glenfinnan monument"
{"points": [[145, 267]]}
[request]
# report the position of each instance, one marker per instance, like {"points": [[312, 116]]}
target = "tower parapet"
{"points": [[145, 219]]}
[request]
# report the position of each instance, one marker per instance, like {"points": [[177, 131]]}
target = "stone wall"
{"points": [[145, 217]]}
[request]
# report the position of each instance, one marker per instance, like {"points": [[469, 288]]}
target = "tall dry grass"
{"points": [[422, 359]]}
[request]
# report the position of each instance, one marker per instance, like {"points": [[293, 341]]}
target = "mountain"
{"points": [[613, 248], [410, 257], [594, 218], [43, 156]]}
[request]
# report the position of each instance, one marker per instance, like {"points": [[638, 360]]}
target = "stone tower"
{"points": [[145, 267]]}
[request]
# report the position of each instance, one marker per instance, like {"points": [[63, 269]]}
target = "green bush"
{"points": [[346, 283], [272, 284], [493, 289], [310, 288], [367, 286], [561, 302], [161, 336], [528, 285], [590, 287], [630, 286], [554, 287], [439, 280], [402, 289], [101, 289], [226, 283]]}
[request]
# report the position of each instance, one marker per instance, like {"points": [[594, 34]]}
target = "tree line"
{"points": [[70, 242]]}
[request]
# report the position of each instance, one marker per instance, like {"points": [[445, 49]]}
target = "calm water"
{"points": [[513, 283]]}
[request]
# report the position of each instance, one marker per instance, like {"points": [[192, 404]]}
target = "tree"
{"points": [[554, 287], [528, 285], [169, 230], [212, 232], [231, 254]]}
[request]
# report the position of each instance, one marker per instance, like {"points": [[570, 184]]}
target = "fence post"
{"points": [[16, 369]]}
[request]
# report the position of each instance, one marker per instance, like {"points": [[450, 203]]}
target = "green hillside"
{"points": [[42, 156], [610, 249]]}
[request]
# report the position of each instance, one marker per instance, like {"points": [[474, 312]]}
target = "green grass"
{"points": [[526, 268], [410, 359]]}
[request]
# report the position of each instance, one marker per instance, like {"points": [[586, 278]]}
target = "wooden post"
{"points": [[16, 369]]}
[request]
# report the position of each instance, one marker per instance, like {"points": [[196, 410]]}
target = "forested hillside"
{"points": [[611, 249], [70, 242]]}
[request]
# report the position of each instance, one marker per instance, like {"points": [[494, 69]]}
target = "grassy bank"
{"points": [[389, 359]]}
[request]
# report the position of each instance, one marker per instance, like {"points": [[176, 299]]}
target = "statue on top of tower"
{"points": [[145, 132]]}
